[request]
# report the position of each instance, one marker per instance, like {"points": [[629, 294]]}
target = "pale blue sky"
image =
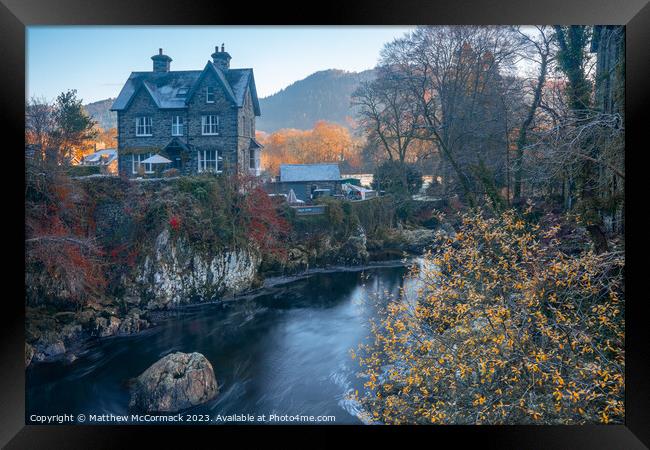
{"points": [[97, 60]]}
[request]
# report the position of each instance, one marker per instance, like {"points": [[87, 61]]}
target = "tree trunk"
{"points": [[521, 139]]}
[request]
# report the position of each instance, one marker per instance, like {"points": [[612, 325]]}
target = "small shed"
{"points": [[304, 179]]}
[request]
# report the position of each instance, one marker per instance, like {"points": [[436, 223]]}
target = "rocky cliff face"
{"points": [[175, 273]]}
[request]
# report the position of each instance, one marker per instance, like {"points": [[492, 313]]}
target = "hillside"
{"points": [[100, 111], [323, 95]]}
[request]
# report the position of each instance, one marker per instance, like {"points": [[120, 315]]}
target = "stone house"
{"points": [[201, 120], [304, 179]]}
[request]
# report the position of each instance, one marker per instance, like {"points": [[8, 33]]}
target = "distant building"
{"points": [[304, 179], [201, 120], [106, 159]]}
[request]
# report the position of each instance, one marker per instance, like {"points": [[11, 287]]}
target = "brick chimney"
{"points": [[221, 59], [161, 62]]}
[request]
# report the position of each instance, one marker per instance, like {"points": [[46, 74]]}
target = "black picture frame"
{"points": [[16, 15]]}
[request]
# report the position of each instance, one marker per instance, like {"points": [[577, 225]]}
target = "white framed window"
{"points": [[177, 125], [143, 126], [210, 125], [136, 162], [209, 94], [209, 161], [252, 159]]}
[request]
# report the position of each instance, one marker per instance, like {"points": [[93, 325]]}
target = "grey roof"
{"points": [[310, 172], [164, 87], [254, 143], [100, 157], [238, 80]]}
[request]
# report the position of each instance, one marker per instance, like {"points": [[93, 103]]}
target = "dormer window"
{"points": [[209, 94], [182, 92], [143, 126]]}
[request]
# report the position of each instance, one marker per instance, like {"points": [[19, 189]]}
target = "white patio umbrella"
{"points": [[156, 159], [291, 197]]}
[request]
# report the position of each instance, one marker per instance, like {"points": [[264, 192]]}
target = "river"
{"points": [[283, 350]]}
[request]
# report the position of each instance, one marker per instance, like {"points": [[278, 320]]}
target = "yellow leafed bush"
{"points": [[505, 329]]}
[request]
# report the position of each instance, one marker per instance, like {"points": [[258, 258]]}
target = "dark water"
{"points": [[284, 350]]}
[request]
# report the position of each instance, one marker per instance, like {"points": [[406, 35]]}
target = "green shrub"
{"points": [[397, 178], [82, 171]]}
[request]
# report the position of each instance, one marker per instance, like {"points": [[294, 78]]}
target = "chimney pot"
{"points": [[161, 62], [221, 59]]}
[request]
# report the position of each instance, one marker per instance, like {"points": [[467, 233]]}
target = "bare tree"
{"points": [[388, 113], [39, 127], [536, 49], [456, 76]]}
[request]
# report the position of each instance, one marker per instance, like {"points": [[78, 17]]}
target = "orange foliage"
{"points": [[326, 142]]}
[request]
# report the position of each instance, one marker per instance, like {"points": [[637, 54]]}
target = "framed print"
{"points": [[380, 220]]}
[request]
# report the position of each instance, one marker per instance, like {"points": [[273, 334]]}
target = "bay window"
{"points": [[252, 160]]}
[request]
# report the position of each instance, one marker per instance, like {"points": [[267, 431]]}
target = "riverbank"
{"points": [[145, 247], [59, 333], [282, 348]]}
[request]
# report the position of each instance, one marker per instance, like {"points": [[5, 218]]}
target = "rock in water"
{"points": [[175, 382]]}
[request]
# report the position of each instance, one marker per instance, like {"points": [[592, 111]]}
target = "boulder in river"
{"points": [[175, 382]]}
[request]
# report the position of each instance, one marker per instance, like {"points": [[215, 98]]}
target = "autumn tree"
{"points": [[326, 142], [63, 260], [105, 138], [60, 248], [61, 131], [502, 328]]}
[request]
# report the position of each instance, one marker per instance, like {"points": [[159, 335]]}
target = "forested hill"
{"points": [[323, 95], [100, 111]]}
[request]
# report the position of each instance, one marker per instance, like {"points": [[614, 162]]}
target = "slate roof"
{"points": [[110, 155], [166, 88], [309, 172], [254, 143]]}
